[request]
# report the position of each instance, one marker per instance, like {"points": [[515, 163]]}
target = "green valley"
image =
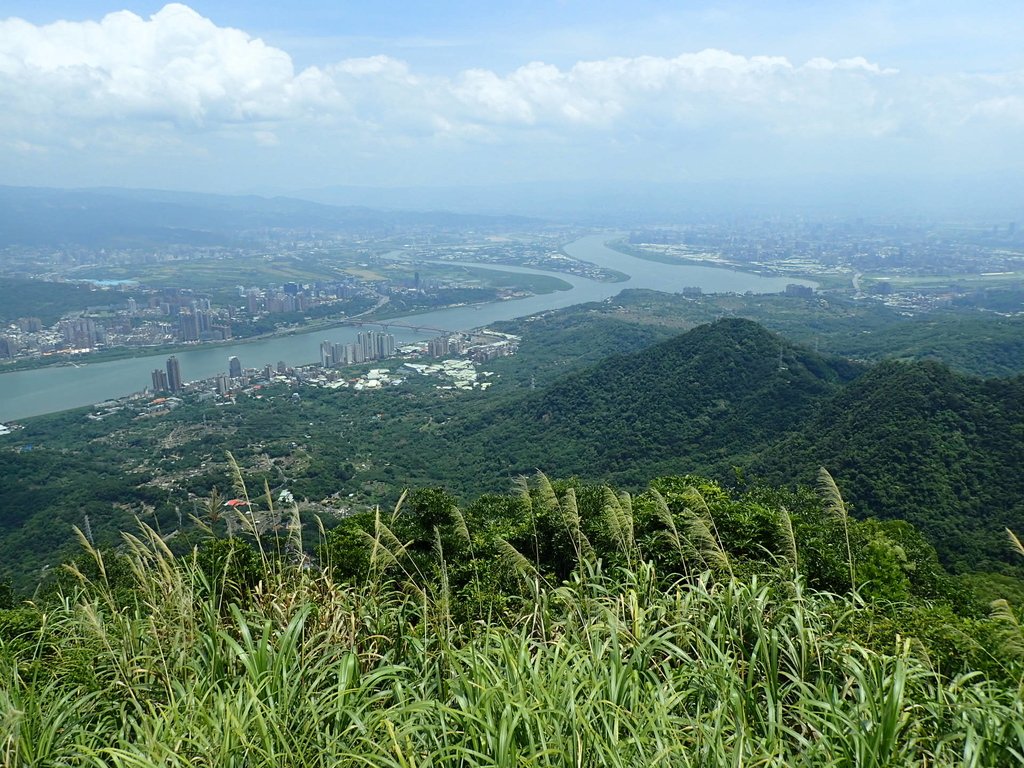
{"points": [[728, 399]]}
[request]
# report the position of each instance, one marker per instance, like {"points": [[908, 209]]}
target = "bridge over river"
{"points": [[385, 324]]}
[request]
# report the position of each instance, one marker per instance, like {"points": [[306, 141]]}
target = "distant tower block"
{"points": [[159, 380], [173, 374], [234, 368]]}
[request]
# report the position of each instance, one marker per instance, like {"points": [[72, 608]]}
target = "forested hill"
{"points": [[914, 441], [919, 442], [728, 399], [703, 400]]}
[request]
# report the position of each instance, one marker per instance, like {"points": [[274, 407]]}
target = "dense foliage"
{"points": [[982, 343], [917, 441], [909, 441], [48, 301], [717, 393], [568, 625]]}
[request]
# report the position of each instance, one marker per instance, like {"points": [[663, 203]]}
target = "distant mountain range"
{"points": [[623, 203], [112, 217], [116, 217]]}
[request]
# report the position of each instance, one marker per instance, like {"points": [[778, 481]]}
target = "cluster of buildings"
{"points": [[487, 346], [542, 253], [169, 316], [168, 379], [368, 346], [290, 298], [459, 373], [505, 345], [442, 346], [166, 316], [83, 333], [28, 333], [202, 325]]}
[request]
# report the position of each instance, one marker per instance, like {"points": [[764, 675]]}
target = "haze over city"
{"points": [[271, 98]]}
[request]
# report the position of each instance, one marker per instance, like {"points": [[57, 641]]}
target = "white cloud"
{"points": [[175, 79], [266, 138], [176, 66]]}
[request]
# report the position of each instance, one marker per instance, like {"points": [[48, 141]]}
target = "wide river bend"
{"points": [[46, 390]]}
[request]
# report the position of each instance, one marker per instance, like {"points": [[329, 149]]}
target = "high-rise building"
{"points": [[376, 345], [234, 367], [83, 332], [364, 340], [159, 380], [173, 374], [353, 353], [188, 325], [222, 384], [204, 320], [438, 347]]}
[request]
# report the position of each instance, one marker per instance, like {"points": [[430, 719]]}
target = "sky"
{"points": [[266, 96]]}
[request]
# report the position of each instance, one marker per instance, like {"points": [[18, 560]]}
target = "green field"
{"points": [[216, 273], [219, 273], [931, 282]]}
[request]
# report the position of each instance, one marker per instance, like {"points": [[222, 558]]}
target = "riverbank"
{"points": [[55, 388], [65, 360], [529, 284], [621, 246]]}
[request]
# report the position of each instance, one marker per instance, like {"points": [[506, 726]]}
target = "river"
{"points": [[46, 390]]}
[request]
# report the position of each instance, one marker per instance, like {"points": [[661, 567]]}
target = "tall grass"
{"points": [[606, 669]]}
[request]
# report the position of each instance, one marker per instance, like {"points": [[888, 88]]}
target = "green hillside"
{"points": [[567, 625], [47, 301], [912, 441], [727, 399], [919, 442], [697, 402], [968, 339]]}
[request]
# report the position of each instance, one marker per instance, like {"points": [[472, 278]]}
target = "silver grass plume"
{"points": [[461, 527], [701, 527], [617, 514], [705, 544], [1010, 632], [1015, 543], [836, 508], [789, 538], [671, 532], [515, 559]]}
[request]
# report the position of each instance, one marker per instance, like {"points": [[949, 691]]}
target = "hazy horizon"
{"points": [[916, 103]]}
